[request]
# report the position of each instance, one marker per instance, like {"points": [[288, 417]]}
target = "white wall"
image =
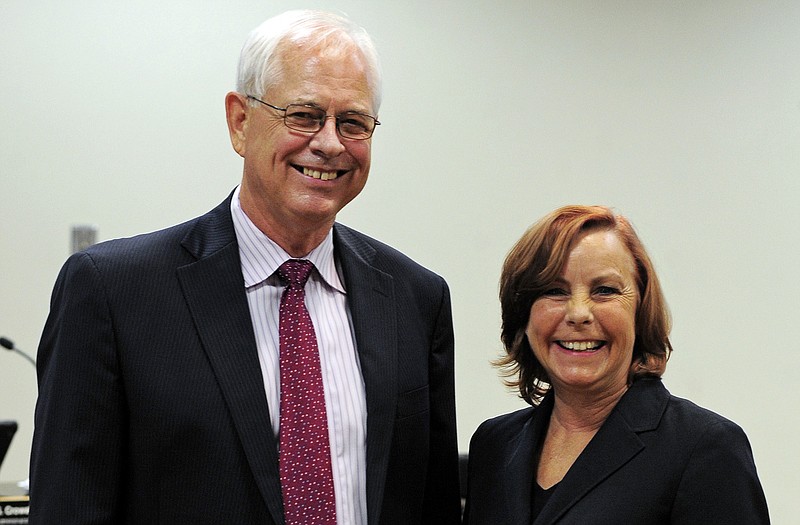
{"points": [[685, 116]]}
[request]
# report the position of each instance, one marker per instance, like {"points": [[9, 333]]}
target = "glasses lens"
{"points": [[355, 125], [304, 118]]}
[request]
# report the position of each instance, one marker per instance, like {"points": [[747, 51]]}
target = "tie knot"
{"points": [[296, 271]]}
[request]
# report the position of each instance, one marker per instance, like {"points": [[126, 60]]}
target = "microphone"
{"points": [[8, 344]]}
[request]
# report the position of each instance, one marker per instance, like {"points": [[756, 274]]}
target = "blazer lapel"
{"points": [[214, 290], [521, 466], [370, 296], [615, 444]]}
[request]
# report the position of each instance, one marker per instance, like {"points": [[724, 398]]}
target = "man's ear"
{"points": [[236, 114]]}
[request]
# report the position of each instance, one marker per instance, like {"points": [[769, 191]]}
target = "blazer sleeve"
{"points": [[720, 484], [442, 499], [78, 438]]}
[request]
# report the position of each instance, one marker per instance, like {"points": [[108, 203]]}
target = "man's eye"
{"points": [[353, 123], [303, 116]]}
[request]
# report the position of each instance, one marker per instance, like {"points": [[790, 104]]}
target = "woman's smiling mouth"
{"points": [[581, 346]]}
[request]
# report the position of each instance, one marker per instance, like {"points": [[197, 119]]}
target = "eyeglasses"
{"points": [[310, 119]]}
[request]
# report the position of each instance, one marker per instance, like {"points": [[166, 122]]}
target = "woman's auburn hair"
{"points": [[536, 261]]}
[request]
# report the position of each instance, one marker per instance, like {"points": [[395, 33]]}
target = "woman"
{"points": [[586, 328]]}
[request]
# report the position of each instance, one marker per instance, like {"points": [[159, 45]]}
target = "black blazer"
{"points": [[657, 459], [152, 407]]}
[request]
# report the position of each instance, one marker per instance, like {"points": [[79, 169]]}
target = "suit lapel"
{"points": [[614, 445], [521, 466], [214, 290], [370, 296]]}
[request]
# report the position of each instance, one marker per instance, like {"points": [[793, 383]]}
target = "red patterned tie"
{"points": [[305, 458]]}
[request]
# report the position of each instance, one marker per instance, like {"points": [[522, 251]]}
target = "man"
{"points": [[161, 368]]}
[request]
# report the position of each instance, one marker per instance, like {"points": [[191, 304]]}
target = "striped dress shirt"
{"points": [[326, 300]]}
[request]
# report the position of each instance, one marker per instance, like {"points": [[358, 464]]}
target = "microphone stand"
{"points": [[8, 344]]}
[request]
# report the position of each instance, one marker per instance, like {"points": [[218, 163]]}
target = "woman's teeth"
{"points": [[581, 346]]}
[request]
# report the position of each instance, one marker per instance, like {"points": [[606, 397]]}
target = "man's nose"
{"points": [[327, 142]]}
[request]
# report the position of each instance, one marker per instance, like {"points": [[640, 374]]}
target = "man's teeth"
{"points": [[581, 346], [322, 175]]}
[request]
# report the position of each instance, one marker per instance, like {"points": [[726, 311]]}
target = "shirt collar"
{"points": [[261, 256]]}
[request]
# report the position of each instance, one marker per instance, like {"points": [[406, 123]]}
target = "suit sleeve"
{"points": [[78, 444], [720, 484], [442, 499]]}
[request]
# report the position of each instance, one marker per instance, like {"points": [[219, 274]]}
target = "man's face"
{"points": [[301, 180]]}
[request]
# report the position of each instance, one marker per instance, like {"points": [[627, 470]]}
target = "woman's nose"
{"points": [[579, 311]]}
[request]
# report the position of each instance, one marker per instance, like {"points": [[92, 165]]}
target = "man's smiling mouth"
{"points": [[320, 175]]}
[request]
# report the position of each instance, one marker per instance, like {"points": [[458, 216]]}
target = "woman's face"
{"points": [[582, 328]]}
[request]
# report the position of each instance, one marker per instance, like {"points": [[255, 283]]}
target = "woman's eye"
{"points": [[555, 292], [606, 290]]}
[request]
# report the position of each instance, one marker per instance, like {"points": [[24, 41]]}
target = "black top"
{"points": [[540, 498], [657, 459]]}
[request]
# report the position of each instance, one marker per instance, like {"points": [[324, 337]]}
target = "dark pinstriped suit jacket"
{"points": [[152, 407], [657, 459]]}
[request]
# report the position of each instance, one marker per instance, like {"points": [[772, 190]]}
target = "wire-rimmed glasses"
{"points": [[308, 118]]}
